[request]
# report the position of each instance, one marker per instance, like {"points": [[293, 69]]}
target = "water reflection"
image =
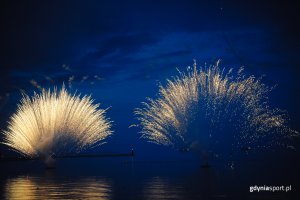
{"points": [[160, 188], [200, 184], [115, 180], [24, 187]]}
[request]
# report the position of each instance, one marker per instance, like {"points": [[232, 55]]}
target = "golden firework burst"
{"points": [[199, 100], [55, 122]]}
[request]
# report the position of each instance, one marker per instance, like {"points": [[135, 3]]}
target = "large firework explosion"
{"points": [[209, 107], [56, 122]]}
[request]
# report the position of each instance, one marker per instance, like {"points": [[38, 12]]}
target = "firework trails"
{"points": [[209, 103], [55, 122]]}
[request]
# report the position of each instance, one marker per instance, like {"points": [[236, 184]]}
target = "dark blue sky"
{"points": [[119, 51]]}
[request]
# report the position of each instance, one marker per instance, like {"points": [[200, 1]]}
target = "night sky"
{"points": [[119, 51]]}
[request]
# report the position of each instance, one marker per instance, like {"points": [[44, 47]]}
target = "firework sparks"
{"points": [[56, 122], [204, 102]]}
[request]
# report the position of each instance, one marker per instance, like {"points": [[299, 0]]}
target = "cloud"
{"points": [[66, 67], [119, 46]]}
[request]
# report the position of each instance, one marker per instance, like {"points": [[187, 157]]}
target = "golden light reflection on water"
{"points": [[159, 188], [36, 188]]}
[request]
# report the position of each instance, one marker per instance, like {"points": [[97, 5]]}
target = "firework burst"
{"points": [[56, 122], [208, 103]]}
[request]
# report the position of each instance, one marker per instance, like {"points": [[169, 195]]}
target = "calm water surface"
{"points": [[130, 178]]}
